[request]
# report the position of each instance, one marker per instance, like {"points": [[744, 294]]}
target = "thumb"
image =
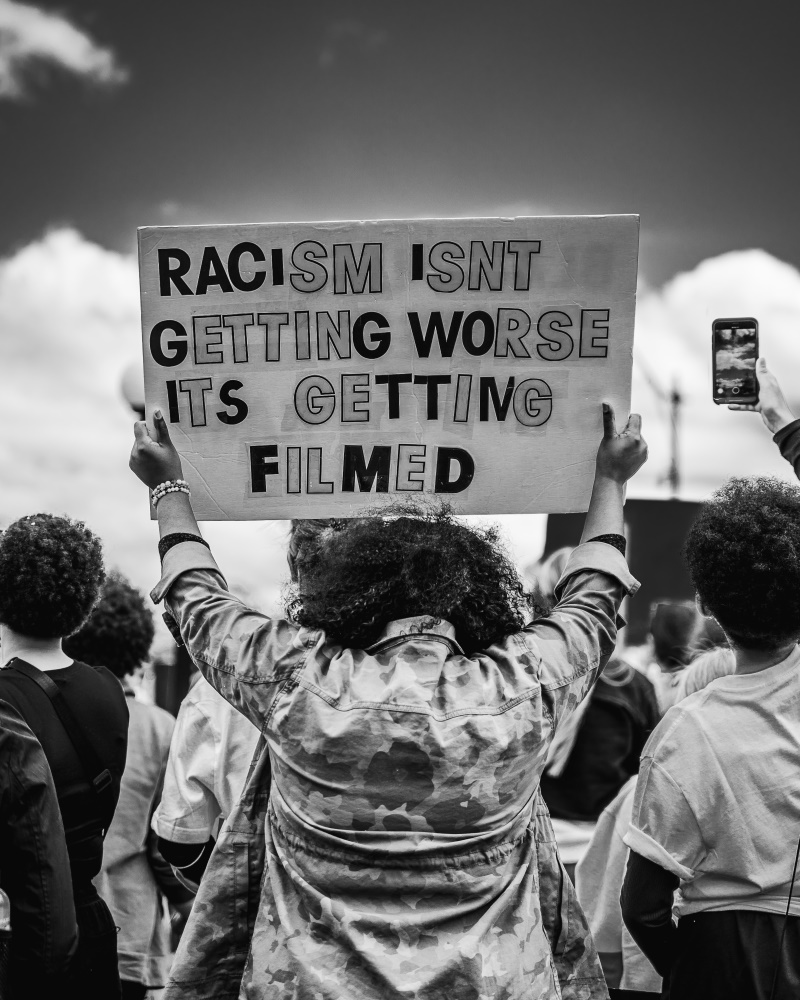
{"points": [[140, 432], [634, 424]]}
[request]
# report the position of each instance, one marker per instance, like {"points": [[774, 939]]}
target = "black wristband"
{"points": [[174, 538], [619, 542]]}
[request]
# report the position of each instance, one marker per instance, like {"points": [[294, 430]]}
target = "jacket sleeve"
{"points": [[573, 643], [247, 656], [33, 858], [788, 440]]}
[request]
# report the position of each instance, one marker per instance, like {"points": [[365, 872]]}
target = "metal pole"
{"points": [[673, 476]]}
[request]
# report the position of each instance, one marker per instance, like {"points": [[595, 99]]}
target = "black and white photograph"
{"points": [[400, 516]]}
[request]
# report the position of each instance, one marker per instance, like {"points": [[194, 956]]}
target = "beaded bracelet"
{"points": [[170, 486]]}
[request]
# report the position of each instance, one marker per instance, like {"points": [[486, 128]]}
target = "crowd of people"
{"points": [[428, 780]]}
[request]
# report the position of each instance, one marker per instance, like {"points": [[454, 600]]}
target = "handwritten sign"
{"points": [[313, 370]]}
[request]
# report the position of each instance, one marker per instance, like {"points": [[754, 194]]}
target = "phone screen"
{"points": [[735, 354]]}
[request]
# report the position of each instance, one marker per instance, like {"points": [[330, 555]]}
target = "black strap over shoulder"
{"points": [[99, 776]]}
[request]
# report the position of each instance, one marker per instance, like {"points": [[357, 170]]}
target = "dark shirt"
{"points": [[646, 900], [612, 735], [34, 867], [788, 440], [97, 701]]}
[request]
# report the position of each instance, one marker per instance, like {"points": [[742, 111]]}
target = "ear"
{"points": [[701, 608]]}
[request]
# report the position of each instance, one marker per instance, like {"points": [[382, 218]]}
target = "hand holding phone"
{"points": [[734, 347], [771, 403]]}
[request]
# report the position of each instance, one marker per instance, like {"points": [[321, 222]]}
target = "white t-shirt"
{"points": [[598, 882], [210, 754], [718, 797]]}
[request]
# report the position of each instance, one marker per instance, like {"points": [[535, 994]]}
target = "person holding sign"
{"points": [[384, 843]]}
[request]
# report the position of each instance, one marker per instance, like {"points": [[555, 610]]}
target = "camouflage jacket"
{"points": [[401, 847]]}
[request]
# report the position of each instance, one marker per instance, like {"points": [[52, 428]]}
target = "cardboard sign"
{"points": [[314, 370]]}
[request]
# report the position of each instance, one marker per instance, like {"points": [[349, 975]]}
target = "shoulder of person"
{"points": [[158, 718], [102, 679]]}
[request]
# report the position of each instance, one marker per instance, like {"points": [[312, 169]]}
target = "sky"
{"points": [[125, 114]]}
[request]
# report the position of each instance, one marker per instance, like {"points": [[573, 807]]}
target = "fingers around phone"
{"points": [[743, 406], [609, 424]]}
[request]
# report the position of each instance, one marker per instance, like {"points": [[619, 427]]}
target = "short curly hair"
{"points": [[118, 633], [743, 553], [51, 572], [355, 576]]}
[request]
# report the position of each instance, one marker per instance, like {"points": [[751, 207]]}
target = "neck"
{"points": [[750, 661], [46, 654]]}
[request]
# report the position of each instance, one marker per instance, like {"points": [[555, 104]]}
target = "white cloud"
{"points": [[736, 357], [69, 316], [30, 36]]}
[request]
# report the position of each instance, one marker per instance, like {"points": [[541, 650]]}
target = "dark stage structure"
{"points": [[656, 531]]}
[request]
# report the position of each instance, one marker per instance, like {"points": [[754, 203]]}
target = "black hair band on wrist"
{"points": [[175, 538], [620, 542]]}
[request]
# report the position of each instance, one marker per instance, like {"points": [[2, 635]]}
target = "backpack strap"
{"points": [[99, 776]]}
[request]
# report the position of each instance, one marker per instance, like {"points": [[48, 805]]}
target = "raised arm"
{"points": [[574, 642], [771, 403], [155, 460], [245, 655], [619, 457], [776, 414]]}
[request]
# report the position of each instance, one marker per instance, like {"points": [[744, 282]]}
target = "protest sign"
{"points": [[316, 369]]}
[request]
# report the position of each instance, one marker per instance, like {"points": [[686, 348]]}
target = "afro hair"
{"points": [[743, 553], [355, 576], [51, 572], [118, 633]]}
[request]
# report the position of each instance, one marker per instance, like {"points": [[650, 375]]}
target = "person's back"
{"points": [[403, 783], [118, 634], [599, 875], [96, 700], [717, 807], [51, 571], [34, 867], [743, 790], [393, 853]]}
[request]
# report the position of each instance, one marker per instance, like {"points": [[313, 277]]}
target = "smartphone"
{"points": [[734, 350]]}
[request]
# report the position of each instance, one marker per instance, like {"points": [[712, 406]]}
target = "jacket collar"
{"points": [[417, 627]]}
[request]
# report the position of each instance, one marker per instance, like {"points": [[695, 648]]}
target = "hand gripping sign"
{"points": [[314, 369]]}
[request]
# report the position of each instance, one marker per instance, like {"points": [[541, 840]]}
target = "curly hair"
{"points": [[356, 576], [118, 633], [743, 553], [304, 531], [51, 572]]}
